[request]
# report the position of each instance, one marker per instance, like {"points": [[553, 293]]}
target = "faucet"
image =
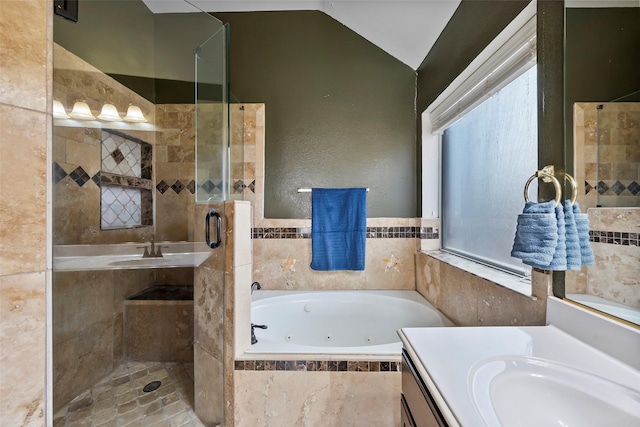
{"points": [[151, 252], [253, 334], [254, 286]]}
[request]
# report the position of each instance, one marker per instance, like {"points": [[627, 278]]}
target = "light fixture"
{"points": [[81, 111], [134, 115], [109, 113], [58, 110]]}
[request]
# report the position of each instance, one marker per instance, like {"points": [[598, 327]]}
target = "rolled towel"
{"points": [[536, 234], [559, 261], [572, 242], [582, 226]]}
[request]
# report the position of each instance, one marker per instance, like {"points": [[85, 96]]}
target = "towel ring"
{"points": [[574, 187], [546, 178]]}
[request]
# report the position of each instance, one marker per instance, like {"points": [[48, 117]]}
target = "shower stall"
{"points": [[141, 156]]}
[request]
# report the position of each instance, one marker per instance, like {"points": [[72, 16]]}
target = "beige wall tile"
{"points": [[458, 295], [208, 294], [159, 331], [428, 278], [208, 383], [624, 220], [22, 359], [364, 399], [390, 264], [616, 273], [281, 398], [498, 306], [24, 43], [23, 168]]}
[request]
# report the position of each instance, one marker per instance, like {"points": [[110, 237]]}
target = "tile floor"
{"points": [[119, 399]]}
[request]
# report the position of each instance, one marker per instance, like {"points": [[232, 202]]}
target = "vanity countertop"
{"points": [[448, 360]]}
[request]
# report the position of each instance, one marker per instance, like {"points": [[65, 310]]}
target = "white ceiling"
{"points": [[406, 29]]}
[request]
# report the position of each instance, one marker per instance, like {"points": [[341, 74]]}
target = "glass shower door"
{"points": [[212, 118]]}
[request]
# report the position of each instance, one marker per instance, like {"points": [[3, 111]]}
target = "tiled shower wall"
{"points": [[88, 325], [614, 230]]}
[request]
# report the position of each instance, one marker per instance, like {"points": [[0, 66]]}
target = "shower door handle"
{"points": [[207, 233]]}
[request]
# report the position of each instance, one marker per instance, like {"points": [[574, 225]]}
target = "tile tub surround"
{"points": [[282, 255], [335, 399]]}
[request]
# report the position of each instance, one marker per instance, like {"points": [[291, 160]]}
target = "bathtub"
{"points": [[625, 312], [338, 322]]}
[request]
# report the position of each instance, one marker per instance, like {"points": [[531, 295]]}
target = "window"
{"points": [[480, 143], [487, 156]]}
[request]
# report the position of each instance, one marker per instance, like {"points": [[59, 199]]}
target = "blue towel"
{"points": [[559, 261], [338, 228], [536, 234], [573, 244], [582, 225]]}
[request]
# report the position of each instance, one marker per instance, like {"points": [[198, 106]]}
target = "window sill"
{"points": [[499, 277]]}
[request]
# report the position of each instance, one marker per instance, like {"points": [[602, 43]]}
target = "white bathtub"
{"points": [[616, 309], [338, 322]]}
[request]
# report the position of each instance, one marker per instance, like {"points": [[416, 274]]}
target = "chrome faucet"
{"points": [[254, 286], [151, 251]]}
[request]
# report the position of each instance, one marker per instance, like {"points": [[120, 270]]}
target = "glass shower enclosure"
{"points": [[134, 175]]}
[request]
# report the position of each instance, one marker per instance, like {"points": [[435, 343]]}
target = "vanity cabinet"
{"points": [[418, 409]]}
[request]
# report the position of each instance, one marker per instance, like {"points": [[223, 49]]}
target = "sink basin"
{"points": [[525, 391]]}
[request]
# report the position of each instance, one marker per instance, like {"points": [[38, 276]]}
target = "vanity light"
{"points": [[134, 115], [109, 113], [81, 111], [58, 110]]}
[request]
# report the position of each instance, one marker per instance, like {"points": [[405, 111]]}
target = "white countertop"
{"points": [[445, 358]]}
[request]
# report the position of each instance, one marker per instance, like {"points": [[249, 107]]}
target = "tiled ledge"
{"points": [[501, 278]]}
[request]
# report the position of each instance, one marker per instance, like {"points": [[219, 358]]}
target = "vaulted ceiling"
{"points": [[406, 29]]}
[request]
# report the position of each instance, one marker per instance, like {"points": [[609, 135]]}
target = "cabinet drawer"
{"points": [[422, 408]]}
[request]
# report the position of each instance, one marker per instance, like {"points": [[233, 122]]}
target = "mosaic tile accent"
{"points": [[372, 233], [613, 187], [124, 181], [58, 173], [177, 186], [125, 155], [614, 238], [79, 176], [317, 365]]}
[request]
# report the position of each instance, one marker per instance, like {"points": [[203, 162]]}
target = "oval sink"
{"points": [[525, 391]]}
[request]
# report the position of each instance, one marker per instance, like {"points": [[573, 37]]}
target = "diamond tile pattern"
{"points": [[79, 176], [162, 187], [121, 207], [634, 188], [618, 187], [120, 155], [177, 186], [58, 173]]}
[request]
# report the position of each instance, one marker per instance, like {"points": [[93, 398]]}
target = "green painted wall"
{"points": [[339, 110], [602, 59]]}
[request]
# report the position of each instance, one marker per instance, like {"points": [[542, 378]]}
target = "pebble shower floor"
{"points": [[119, 400]]}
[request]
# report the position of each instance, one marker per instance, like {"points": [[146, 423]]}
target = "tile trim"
{"points": [[372, 233], [317, 365], [614, 238]]}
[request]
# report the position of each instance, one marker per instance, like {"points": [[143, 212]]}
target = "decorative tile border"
{"points": [[317, 366], [613, 188], [372, 233], [614, 238]]}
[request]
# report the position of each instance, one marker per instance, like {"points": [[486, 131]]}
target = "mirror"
{"points": [[602, 134]]}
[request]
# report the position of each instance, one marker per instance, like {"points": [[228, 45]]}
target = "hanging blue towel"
{"points": [[536, 234], [582, 226], [573, 243], [559, 261], [338, 228]]}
